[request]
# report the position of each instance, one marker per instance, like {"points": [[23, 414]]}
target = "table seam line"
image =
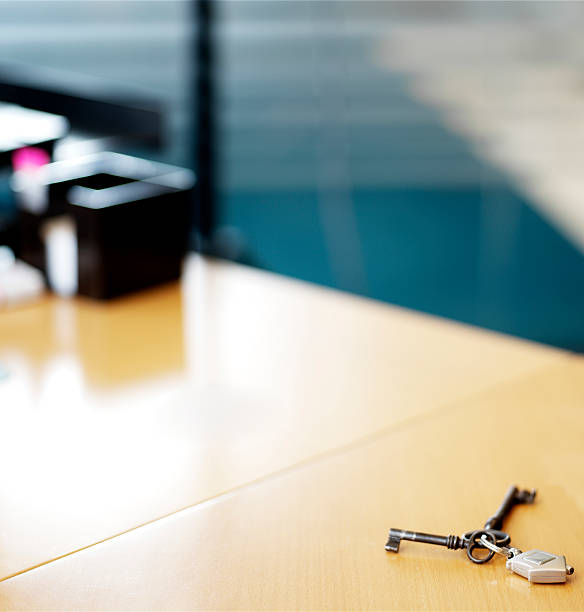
{"points": [[304, 463]]}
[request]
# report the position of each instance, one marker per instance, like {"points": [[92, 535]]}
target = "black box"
{"points": [[133, 219]]}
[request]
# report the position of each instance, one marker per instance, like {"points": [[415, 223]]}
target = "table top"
{"points": [[245, 441]]}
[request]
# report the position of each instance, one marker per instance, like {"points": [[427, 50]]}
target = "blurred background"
{"points": [[426, 154]]}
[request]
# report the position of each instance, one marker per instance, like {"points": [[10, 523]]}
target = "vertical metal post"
{"points": [[205, 123]]}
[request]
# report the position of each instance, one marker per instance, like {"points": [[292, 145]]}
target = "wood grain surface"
{"points": [[313, 538], [296, 412]]}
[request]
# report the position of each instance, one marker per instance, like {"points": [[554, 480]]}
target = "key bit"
{"points": [[397, 535]]}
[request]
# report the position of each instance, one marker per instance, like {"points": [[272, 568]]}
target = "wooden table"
{"points": [[245, 441]]}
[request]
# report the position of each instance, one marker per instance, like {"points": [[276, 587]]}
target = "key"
{"points": [[513, 497], [535, 565], [471, 539], [397, 535]]}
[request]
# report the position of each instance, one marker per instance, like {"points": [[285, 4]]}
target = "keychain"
{"points": [[535, 565]]}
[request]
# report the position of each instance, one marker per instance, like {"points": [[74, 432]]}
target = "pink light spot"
{"points": [[29, 158]]}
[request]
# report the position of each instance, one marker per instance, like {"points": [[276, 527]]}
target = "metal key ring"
{"points": [[501, 538], [492, 546], [506, 551], [473, 544]]}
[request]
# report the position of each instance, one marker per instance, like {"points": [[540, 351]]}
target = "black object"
{"points": [[205, 129], [132, 218], [28, 128], [89, 103], [471, 539], [511, 499], [8, 231]]}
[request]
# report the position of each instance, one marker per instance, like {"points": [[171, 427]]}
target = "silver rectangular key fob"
{"points": [[539, 566]]}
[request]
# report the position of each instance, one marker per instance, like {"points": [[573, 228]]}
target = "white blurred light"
{"points": [[61, 249]]}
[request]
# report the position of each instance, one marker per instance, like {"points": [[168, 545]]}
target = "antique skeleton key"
{"points": [[471, 540], [535, 565]]}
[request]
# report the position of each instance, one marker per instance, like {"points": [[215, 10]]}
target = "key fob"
{"points": [[539, 566]]}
